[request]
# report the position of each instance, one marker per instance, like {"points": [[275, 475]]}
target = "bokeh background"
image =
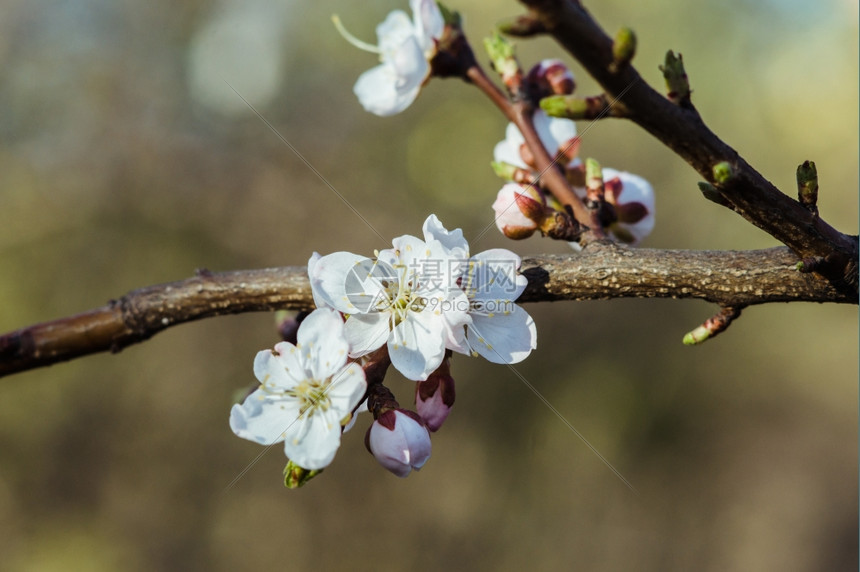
{"points": [[126, 160]]}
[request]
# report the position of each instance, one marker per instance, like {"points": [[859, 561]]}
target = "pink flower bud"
{"points": [[399, 440], [568, 153], [519, 211], [552, 77], [434, 397]]}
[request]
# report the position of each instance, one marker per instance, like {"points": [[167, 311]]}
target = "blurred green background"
{"points": [[126, 160]]}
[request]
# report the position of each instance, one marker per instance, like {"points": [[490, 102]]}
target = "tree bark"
{"points": [[601, 271]]}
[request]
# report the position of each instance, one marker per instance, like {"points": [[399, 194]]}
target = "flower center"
{"points": [[311, 395], [400, 297]]}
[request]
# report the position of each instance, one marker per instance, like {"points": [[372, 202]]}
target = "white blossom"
{"points": [[405, 50], [634, 202], [633, 198], [407, 298], [307, 393], [554, 132]]}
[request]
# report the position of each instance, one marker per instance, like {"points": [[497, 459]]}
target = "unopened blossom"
{"points": [[519, 210], [307, 393], [498, 330], [400, 441], [434, 397], [407, 298], [558, 135], [405, 49], [551, 77]]}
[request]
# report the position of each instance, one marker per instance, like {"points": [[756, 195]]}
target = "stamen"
{"points": [[352, 39]]}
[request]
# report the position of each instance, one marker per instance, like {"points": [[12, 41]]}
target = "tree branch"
{"points": [[682, 130], [603, 270]]}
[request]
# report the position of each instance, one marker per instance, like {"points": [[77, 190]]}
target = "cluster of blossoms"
{"points": [[522, 207], [413, 304], [407, 48]]}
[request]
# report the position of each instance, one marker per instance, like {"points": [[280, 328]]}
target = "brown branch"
{"points": [[682, 130], [602, 271], [142, 313]]}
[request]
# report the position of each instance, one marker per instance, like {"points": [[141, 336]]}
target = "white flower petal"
{"points": [[505, 152], [319, 302], [312, 443], [394, 30], [453, 240], [455, 338], [417, 345], [456, 317], [493, 276], [330, 280], [503, 338], [367, 332], [282, 369], [262, 420], [514, 137], [346, 389], [429, 23], [411, 252], [377, 92], [553, 131], [322, 343], [409, 65]]}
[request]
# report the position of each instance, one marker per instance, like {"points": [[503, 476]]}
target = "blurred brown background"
{"points": [[126, 160]]}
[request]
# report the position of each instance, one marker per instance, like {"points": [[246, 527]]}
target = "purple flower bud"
{"points": [[434, 397], [399, 440]]}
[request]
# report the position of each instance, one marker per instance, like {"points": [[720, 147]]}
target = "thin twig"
{"points": [[520, 114]]}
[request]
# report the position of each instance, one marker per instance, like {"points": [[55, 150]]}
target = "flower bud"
{"points": [[568, 153], [623, 48], [399, 440], [552, 77], [504, 61], [296, 476], [519, 211], [434, 397]]}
